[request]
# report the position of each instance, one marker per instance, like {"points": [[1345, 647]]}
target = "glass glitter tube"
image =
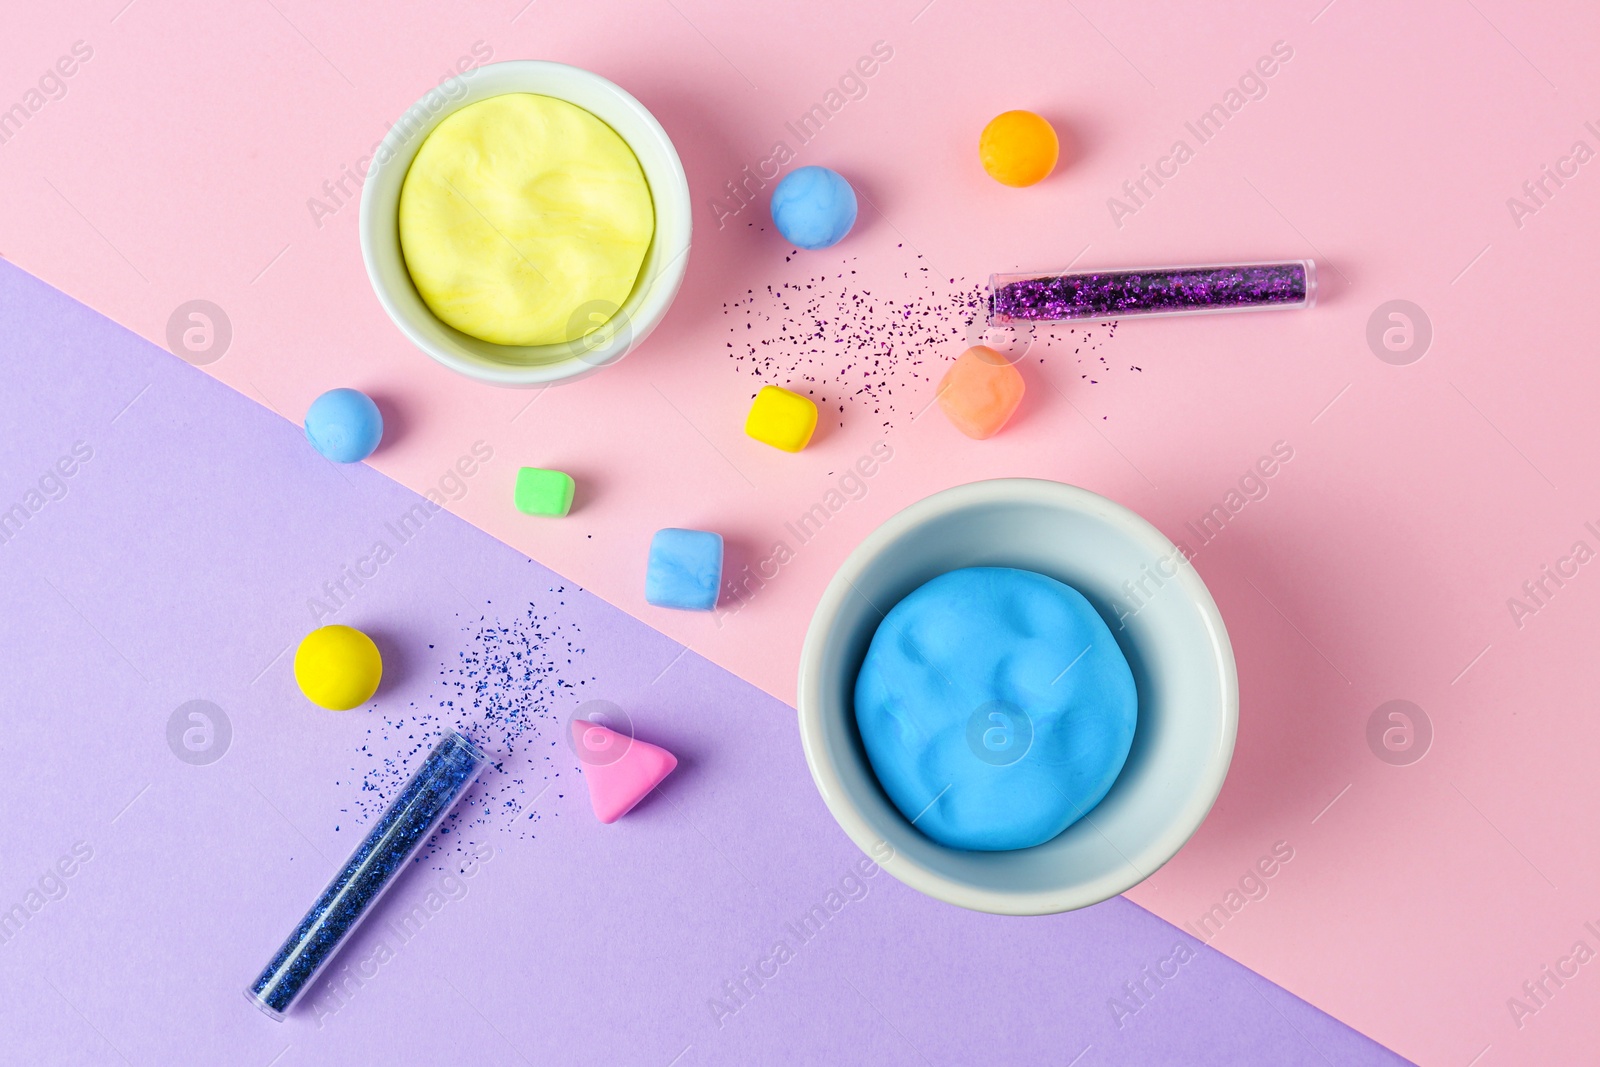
{"points": [[1122, 292], [405, 824]]}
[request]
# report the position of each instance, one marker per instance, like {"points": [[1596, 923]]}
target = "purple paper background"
{"points": [[178, 566]]}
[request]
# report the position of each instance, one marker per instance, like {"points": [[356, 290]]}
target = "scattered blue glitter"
{"points": [[508, 688], [394, 839]]}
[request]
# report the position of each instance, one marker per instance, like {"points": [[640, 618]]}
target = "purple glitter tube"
{"points": [[1115, 294]]}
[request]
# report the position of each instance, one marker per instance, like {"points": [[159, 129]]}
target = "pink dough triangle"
{"points": [[620, 770]]}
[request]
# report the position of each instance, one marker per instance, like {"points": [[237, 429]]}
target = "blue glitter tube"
{"points": [[1123, 292], [405, 824]]}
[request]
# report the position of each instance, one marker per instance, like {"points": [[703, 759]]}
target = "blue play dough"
{"points": [[344, 425], [996, 708], [814, 207], [685, 569]]}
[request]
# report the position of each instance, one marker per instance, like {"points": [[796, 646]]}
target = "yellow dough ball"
{"points": [[1019, 148], [518, 211], [338, 667]]}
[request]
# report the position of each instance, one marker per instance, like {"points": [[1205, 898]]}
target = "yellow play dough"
{"points": [[338, 667], [521, 216]]}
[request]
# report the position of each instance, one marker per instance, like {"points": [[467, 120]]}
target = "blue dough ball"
{"points": [[344, 425], [995, 707], [814, 207]]}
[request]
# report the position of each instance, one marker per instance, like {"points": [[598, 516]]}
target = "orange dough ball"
{"points": [[1019, 148], [980, 392]]}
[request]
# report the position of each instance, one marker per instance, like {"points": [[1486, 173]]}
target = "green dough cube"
{"points": [[542, 492]]}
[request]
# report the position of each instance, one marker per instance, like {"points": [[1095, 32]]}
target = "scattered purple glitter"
{"points": [[508, 689], [1157, 291], [881, 349]]}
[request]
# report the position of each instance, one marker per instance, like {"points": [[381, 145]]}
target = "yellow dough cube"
{"points": [[781, 419]]}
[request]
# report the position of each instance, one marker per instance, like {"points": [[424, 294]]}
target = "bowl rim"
{"points": [[670, 196], [825, 774]]}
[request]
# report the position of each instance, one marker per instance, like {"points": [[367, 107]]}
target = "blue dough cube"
{"points": [[685, 570]]}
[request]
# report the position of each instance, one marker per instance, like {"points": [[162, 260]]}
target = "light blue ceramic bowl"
{"points": [[1175, 642]]}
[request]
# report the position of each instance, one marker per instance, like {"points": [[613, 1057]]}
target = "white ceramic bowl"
{"points": [[1176, 644], [530, 365]]}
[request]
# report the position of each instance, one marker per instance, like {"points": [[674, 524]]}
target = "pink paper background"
{"points": [[178, 166]]}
